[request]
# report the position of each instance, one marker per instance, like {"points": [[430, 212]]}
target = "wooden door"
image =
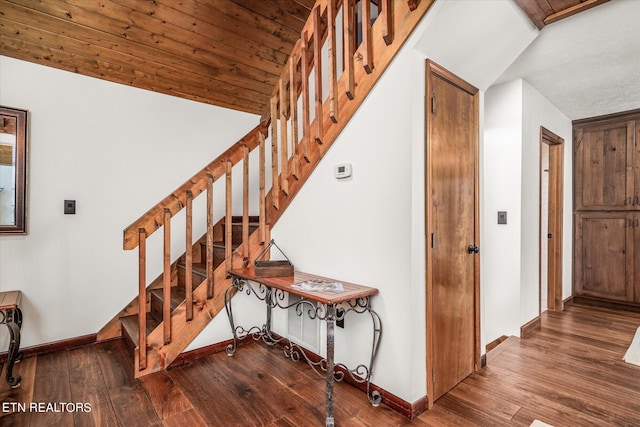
{"points": [[552, 238], [452, 230], [604, 156], [604, 255]]}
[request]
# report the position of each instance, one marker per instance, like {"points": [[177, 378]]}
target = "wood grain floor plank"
{"points": [[88, 386], [19, 397], [569, 373], [52, 385], [166, 397]]}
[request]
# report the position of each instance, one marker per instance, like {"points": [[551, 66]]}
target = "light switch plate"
{"points": [[69, 207], [502, 217]]}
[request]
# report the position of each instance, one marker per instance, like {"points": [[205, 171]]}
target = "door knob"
{"points": [[473, 249]]}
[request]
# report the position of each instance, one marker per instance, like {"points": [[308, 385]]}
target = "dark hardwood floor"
{"points": [[570, 373]]}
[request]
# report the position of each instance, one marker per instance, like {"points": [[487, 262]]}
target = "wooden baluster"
{"points": [[166, 277], [333, 75], [228, 241], [367, 43], [275, 185], [284, 146], [188, 257], [386, 11], [304, 90], [263, 205], [245, 206], [142, 299], [210, 275], [317, 65], [293, 106], [349, 40]]}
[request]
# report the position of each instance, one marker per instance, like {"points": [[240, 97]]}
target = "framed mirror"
{"points": [[13, 170]]}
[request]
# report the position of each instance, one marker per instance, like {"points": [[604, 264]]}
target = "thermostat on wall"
{"points": [[343, 170]]}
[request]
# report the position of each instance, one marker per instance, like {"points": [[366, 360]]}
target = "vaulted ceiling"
{"points": [[228, 53]]}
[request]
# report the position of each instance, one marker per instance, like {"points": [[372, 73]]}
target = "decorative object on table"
{"points": [[319, 286], [268, 268]]}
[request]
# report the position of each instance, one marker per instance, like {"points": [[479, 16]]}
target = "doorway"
{"points": [[551, 195], [452, 230]]}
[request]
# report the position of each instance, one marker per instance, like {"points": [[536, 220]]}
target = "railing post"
{"points": [[386, 11], [263, 204], [284, 148], [304, 91], [229, 220], [275, 190], [349, 40], [333, 76], [367, 43], [245, 206], [210, 275], [142, 299], [293, 106], [188, 275], [317, 65], [166, 278]]}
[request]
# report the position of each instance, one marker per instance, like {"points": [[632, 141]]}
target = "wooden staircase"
{"points": [[189, 292]]}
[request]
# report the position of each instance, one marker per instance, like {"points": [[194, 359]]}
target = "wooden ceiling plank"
{"points": [[119, 28], [151, 14], [20, 49], [307, 4], [94, 37], [271, 11], [580, 7], [231, 17], [546, 7], [171, 76], [129, 74], [167, 26]]}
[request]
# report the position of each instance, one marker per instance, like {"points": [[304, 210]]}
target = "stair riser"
{"points": [[236, 232]]}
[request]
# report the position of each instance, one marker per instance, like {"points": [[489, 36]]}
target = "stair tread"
{"points": [[198, 268], [177, 295], [130, 327]]}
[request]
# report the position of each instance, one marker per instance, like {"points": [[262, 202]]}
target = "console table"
{"points": [[328, 306], [11, 315]]}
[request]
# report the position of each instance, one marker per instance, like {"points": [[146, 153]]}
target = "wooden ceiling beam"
{"points": [[545, 12], [570, 11]]}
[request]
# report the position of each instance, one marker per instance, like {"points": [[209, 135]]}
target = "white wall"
{"points": [[117, 151], [500, 243], [515, 111]]}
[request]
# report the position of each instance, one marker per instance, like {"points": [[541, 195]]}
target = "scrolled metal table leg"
{"points": [[231, 348], [14, 321], [330, 319], [374, 397]]}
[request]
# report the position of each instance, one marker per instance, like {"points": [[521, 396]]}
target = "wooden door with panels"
{"points": [[453, 318]]}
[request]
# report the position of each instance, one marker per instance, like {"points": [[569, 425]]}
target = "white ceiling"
{"points": [[588, 64]]}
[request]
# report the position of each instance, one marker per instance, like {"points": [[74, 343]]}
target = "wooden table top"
{"points": [[10, 299], [285, 283]]}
